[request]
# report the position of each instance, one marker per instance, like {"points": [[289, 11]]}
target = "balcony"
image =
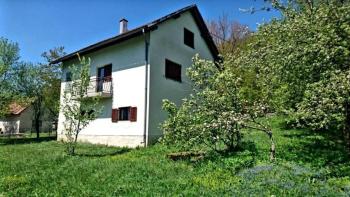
{"points": [[100, 87]]}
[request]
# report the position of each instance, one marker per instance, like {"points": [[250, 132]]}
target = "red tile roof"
{"points": [[16, 109]]}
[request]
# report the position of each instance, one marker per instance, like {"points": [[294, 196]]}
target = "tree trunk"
{"points": [[273, 148], [346, 131], [37, 115], [37, 128]]}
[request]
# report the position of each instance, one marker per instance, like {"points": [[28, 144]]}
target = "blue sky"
{"points": [[39, 25]]}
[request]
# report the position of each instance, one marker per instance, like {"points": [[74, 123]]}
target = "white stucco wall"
{"points": [[168, 42], [24, 122], [128, 81], [128, 73], [9, 125]]}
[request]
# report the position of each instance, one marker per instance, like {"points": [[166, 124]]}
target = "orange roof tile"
{"points": [[16, 108]]}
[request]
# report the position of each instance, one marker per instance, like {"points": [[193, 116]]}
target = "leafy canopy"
{"points": [[214, 115]]}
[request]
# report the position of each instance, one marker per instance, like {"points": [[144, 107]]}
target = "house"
{"points": [[135, 70], [20, 120]]}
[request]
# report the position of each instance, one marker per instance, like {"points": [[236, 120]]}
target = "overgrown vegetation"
{"points": [[297, 65], [307, 164], [217, 111]]}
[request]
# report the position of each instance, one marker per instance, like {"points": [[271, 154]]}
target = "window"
{"points": [[68, 76], [104, 74], [188, 38], [124, 113], [172, 70]]}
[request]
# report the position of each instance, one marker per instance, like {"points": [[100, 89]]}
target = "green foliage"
{"points": [[301, 63], [29, 85], [292, 52], [9, 56], [78, 109], [214, 115], [324, 102], [307, 165], [52, 75]]}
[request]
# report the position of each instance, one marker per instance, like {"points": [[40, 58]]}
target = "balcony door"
{"points": [[104, 74]]}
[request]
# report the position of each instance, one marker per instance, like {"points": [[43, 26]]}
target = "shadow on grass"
{"points": [[24, 140], [319, 149], [242, 157], [103, 153]]}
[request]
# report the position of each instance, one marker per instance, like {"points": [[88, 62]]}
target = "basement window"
{"points": [[172, 70], [189, 38]]}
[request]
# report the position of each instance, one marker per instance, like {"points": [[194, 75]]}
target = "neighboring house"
{"points": [[135, 70], [20, 120]]}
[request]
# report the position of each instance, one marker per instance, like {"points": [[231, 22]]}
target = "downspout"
{"points": [[145, 134]]}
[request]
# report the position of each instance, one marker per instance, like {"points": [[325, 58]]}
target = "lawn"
{"points": [[307, 165]]}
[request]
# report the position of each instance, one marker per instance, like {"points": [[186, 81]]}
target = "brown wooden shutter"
{"points": [[115, 115], [133, 114]]}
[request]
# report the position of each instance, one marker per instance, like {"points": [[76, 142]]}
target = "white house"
{"points": [[135, 70], [20, 120]]}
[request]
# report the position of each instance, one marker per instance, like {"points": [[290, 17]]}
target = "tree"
{"points": [[52, 76], [215, 114], [29, 84], [326, 105], [296, 50], [9, 56], [39, 85], [228, 35], [78, 109], [303, 60]]}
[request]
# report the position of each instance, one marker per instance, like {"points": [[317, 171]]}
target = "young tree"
{"points": [[215, 114], [78, 109]]}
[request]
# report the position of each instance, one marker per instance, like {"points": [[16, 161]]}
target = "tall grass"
{"points": [[307, 164]]}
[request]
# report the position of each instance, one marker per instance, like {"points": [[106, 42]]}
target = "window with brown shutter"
{"points": [[124, 113], [133, 114], [115, 115], [172, 70]]}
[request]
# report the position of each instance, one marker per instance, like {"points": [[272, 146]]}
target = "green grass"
{"points": [[307, 165]]}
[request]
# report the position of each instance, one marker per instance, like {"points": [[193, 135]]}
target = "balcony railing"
{"points": [[100, 87]]}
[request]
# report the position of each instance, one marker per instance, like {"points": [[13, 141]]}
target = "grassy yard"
{"points": [[307, 165]]}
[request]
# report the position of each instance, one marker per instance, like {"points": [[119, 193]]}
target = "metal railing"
{"points": [[100, 85], [97, 87]]}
